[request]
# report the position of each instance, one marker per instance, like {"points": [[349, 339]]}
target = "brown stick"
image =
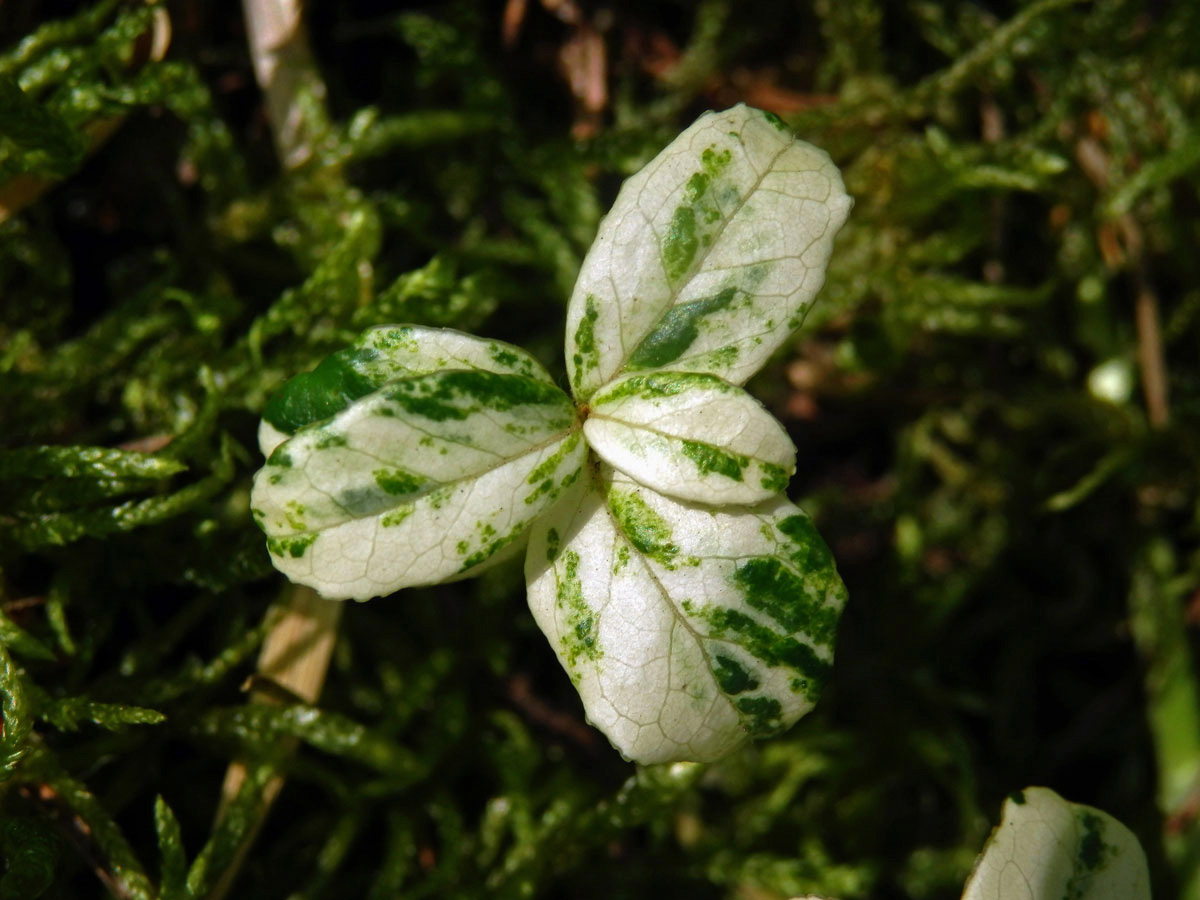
{"points": [[293, 662], [287, 74]]}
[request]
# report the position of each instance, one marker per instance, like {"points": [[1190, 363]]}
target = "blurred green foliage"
{"points": [[996, 400]]}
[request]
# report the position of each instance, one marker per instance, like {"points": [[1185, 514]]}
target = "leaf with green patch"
{"points": [[686, 629], [1048, 849], [710, 256], [380, 355], [690, 436], [429, 477]]}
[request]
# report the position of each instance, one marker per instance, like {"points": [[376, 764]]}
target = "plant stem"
{"points": [[288, 76], [292, 663]]}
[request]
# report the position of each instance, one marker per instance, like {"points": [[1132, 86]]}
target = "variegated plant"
{"points": [[691, 604], [1046, 848]]}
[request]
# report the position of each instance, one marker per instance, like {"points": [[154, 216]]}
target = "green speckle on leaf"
{"points": [[509, 358], [542, 490], [586, 358], [732, 675], [712, 460], [643, 527], [771, 587], [553, 542], [547, 466], [1092, 849], [677, 330], [661, 385], [679, 249], [280, 458], [458, 394], [1091, 854], [1017, 797], [328, 439], [774, 478], [579, 638], [294, 546], [396, 516], [762, 716], [694, 223], [763, 643], [775, 120], [713, 162], [490, 549], [398, 482], [295, 515], [806, 548]]}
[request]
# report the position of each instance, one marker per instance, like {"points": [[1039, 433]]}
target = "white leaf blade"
{"points": [[692, 437], [709, 256], [1046, 848], [441, 536], [423, 480], [686, 630]]}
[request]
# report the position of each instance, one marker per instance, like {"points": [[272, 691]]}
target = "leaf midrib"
{"points": [[438, 485]]}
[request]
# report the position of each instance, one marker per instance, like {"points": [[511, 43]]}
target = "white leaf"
{"points": [[685, 629], [380, 355], [691, 436], [710, 256], [1047, 849], [425, 479]]}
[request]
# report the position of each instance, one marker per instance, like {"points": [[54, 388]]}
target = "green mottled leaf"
{"points": [[429, 477], [690, 436], [1048, 849], [685, 629], [710, 255]]}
